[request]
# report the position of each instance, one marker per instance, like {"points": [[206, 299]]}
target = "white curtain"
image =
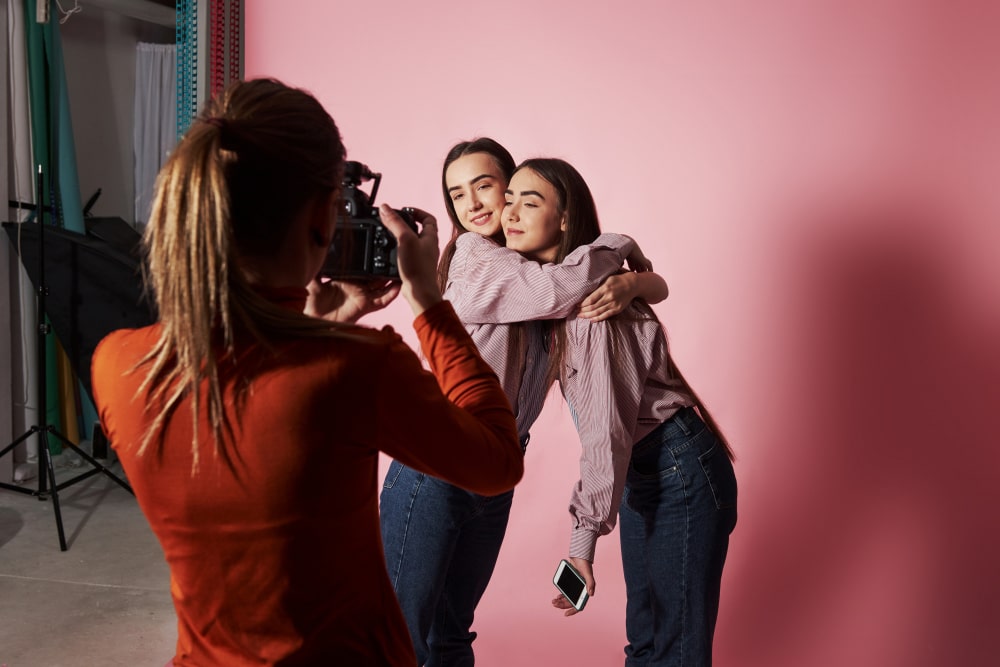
{"points": [[20, 410], [155, 118]]}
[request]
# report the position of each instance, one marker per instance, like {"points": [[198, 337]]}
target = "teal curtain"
{"points": [[55, 152]]}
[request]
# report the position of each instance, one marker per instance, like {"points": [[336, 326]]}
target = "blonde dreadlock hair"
{"points": [[259, 153]]}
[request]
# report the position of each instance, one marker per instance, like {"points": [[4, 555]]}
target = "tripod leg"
{"points": [[90, 459], [44, 453], [31, 431]]}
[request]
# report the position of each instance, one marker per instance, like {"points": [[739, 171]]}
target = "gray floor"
{"points": [[104, 601]]}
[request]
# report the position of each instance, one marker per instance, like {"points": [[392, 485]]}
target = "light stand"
{"points": [[47, 486]]}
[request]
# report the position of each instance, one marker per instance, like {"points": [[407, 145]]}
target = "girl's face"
{"points": [[533, 222], [476, 185]]}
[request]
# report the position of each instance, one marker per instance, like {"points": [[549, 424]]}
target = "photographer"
{"points": [[250, 430]]}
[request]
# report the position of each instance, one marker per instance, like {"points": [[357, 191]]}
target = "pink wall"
{"points": [[820, 184]]}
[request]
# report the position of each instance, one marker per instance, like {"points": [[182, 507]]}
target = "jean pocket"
{"points": [[721, 477], [651, 463], [391, 475]]}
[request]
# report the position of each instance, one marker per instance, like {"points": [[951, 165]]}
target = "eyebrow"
{"points": [[472, 182], [525, 193]]}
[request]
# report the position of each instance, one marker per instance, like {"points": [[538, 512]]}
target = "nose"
{"points": [[474, 203], [510, 213]]}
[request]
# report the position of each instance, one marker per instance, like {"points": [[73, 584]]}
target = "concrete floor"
{"points": [[104, 601]]}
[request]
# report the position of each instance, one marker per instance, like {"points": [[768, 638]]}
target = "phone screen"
{"points": [[570, 584]]}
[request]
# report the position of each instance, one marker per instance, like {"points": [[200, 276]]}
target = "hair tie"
{"points": [[226, 139]]}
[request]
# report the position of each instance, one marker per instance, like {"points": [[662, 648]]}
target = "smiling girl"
{"points": [[441, 542], [650, 451]]}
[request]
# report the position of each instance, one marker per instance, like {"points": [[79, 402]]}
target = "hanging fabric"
{"points": [[22, 183], [155, 122], [225, 54], [187, 64], [55, 151]]}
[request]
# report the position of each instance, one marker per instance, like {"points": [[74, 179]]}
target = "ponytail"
{"points": [[257, 156]]}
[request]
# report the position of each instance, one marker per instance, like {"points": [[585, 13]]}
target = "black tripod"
{"points": [[46, 470]]}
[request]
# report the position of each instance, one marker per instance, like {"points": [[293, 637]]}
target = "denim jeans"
{"points": [[677, 512], [441, 545]]}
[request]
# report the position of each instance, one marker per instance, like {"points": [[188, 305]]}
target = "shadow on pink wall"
{"points": [[873, 542]]}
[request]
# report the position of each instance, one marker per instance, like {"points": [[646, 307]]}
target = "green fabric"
{"points": [[68, 183], [55, 152]]}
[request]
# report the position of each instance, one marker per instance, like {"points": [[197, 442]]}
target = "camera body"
{"points": [[362, 247]]}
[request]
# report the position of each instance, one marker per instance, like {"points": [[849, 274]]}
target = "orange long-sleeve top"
{"points": [[278, 560]]}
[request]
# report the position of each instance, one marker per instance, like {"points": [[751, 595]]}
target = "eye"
{"points": [[485, 186], [456, 196], [507, 203]]}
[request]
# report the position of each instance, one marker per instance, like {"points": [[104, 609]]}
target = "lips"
{"points": [[481, 219]]}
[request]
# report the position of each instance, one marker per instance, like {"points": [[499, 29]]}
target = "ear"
{"points": [[562, 223], [323, 219]]}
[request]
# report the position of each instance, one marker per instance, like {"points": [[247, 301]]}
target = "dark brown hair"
{"points": [[582, 227], [504, 162]]}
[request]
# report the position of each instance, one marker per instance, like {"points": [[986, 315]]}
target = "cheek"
{"points": [[498, 201], [550, 229]]}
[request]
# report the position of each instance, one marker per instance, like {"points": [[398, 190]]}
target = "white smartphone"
{"points": [[571, 584]]}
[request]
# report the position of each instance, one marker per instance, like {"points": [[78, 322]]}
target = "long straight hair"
{"points": [[501, 157], [575, 200], [254, 159], [504, 162]]}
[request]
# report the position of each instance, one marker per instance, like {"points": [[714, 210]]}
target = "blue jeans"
{"points": [[677, 512], [441, 545]]}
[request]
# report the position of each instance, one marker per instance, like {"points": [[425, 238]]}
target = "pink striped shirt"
{"points": [[491, 286], [617, 396]]}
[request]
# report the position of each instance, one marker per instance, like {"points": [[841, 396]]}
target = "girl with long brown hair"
{"points": [[651, 452], [441, 541]]}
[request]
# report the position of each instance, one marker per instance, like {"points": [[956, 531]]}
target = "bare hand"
{"points": [[585, 568], [349, 301], [611, 298], [416, 257]]}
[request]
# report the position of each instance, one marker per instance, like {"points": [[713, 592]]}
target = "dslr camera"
{"points": [[362, 247]]}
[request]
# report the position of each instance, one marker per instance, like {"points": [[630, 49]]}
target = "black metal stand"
{"points": [[47, 486]]}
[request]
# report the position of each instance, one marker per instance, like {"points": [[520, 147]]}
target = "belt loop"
{"points": [[681, 419]]}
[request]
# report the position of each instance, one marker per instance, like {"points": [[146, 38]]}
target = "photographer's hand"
{"points": [[416, 257], [347, 302]]}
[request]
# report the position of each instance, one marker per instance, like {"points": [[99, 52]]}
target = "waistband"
{"points": [[683, 422]]}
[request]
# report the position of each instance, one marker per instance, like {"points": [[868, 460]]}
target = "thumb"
{"points": [[393, 222]]}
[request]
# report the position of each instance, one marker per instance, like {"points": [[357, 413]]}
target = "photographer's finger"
{"points": [[428, 224], [421, 216], [393, 222], [429, 238]]}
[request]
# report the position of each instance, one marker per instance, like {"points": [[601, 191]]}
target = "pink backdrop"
{"points": [[820, 185]]}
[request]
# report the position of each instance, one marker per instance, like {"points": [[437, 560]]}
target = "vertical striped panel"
{"points": [[187, 64]]}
